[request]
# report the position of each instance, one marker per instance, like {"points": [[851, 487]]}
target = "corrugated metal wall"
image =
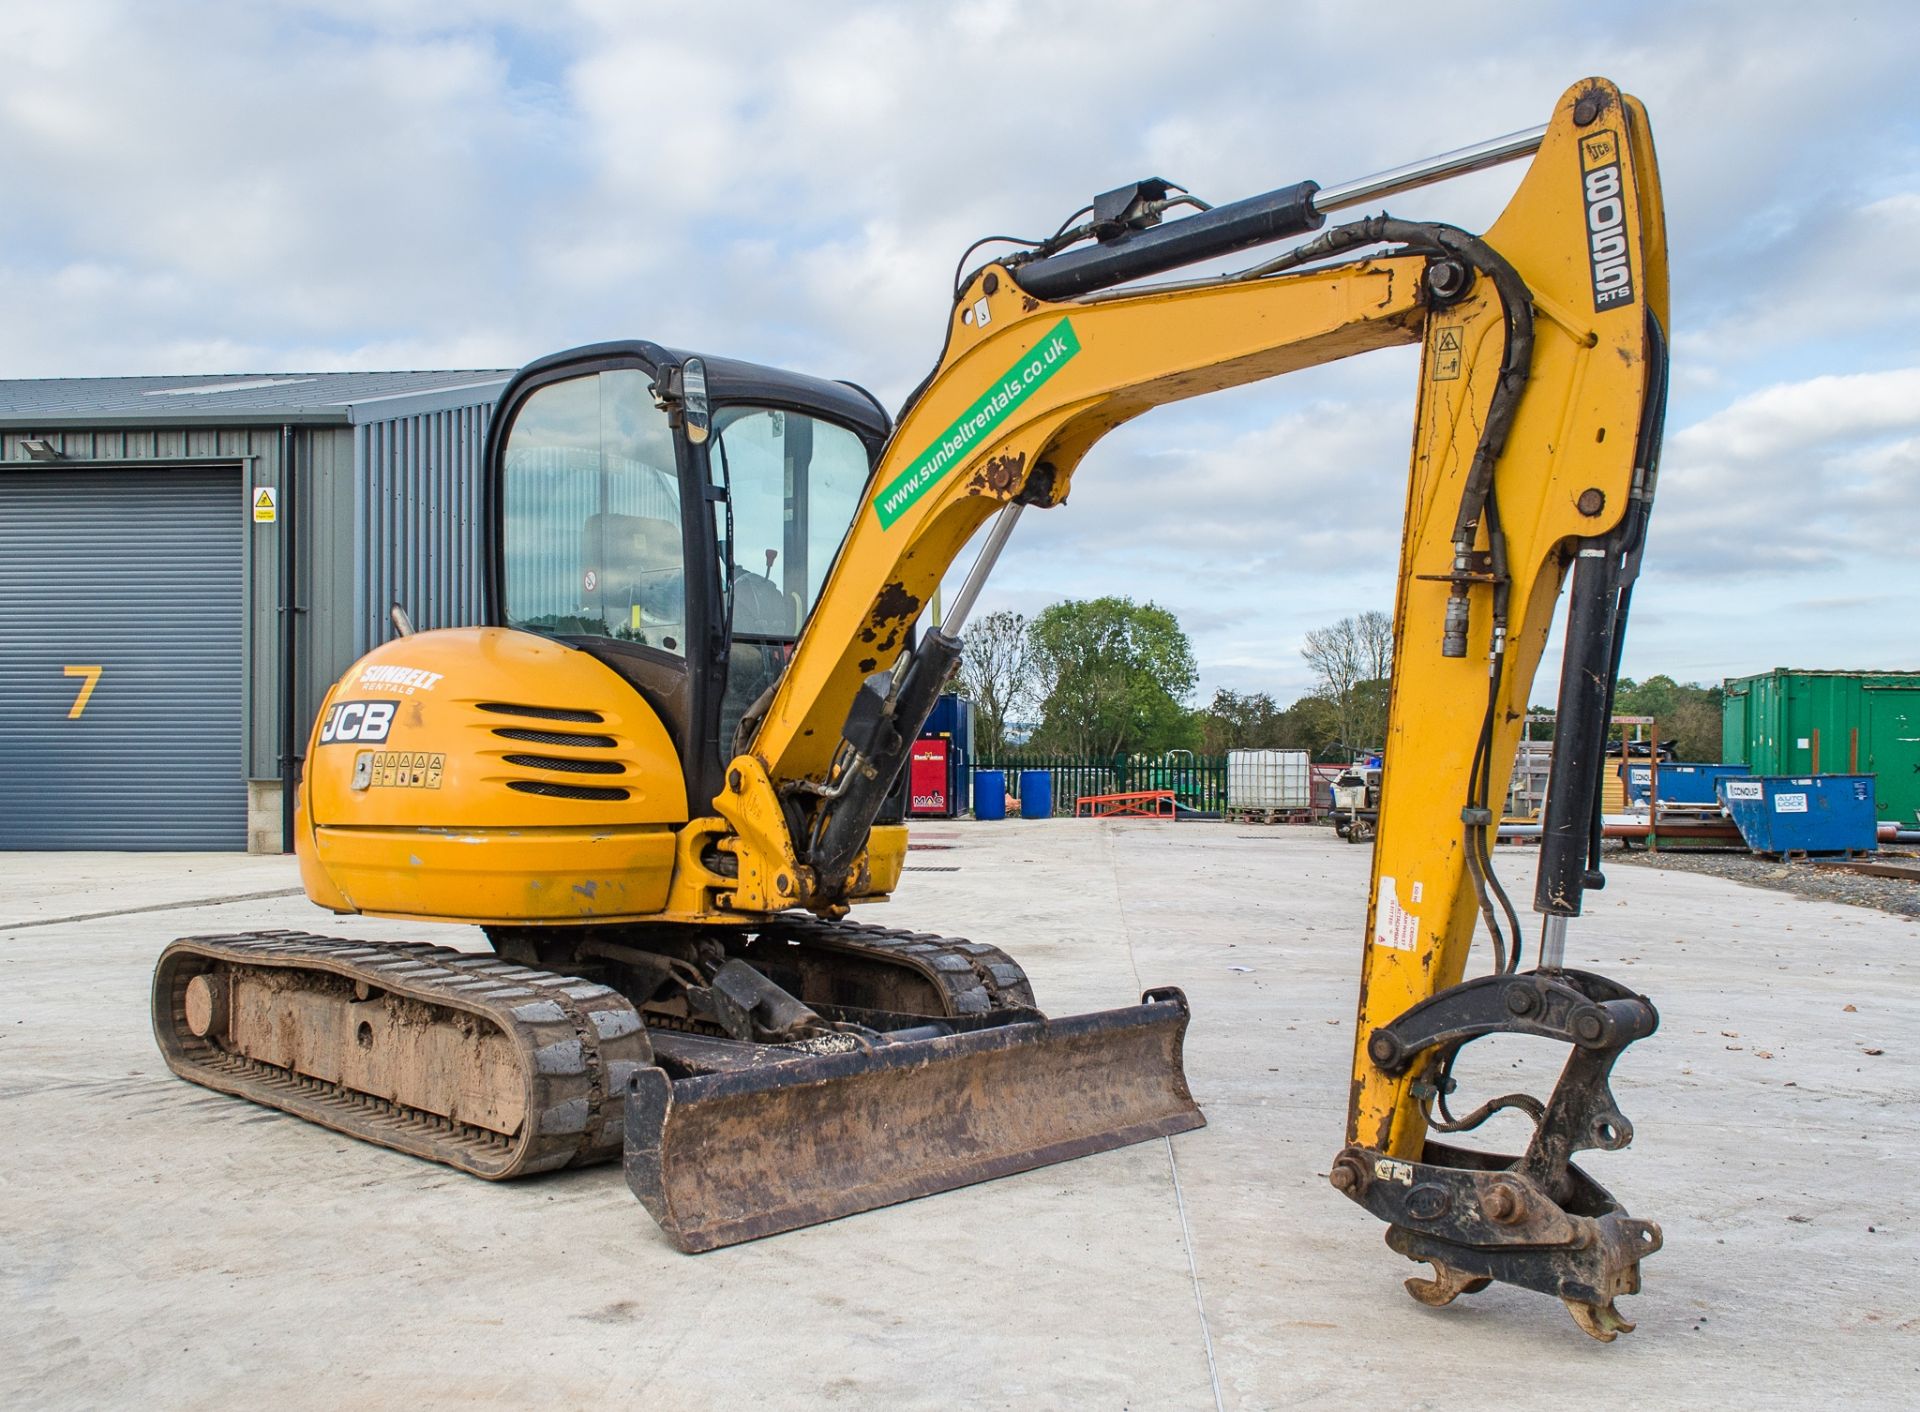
{"points": [[416, 514], [388, 511], [329, 565]]}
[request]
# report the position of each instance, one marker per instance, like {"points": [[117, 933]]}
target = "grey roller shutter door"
{"points": [[137, 573]]}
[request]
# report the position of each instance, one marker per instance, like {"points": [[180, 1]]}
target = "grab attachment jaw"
{"points": [[1533, 1220]]}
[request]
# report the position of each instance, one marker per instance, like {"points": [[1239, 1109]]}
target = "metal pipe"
{"points": [[1553, 943], [1478, 157], [1708, 829], [289, 616], [1636, 831], [977, 576]]}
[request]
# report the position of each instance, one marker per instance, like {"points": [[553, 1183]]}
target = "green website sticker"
{"points": [[975, 426]]}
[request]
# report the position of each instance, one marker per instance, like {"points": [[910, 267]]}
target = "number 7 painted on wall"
{"points": [[92, 675]]}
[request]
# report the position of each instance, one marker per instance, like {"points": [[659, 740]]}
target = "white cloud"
{"points": [[1795, 478], [246, 186], [1848, 276]]}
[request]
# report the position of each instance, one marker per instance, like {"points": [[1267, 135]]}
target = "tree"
{"points": [[1235, 722], [996, 675], [1111, 675], [1374, 630], [1232, 721], [1311, 724], [1687, 716], [1353, 661]]}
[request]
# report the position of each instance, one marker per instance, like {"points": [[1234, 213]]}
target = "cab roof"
{"points": [[731, 380]]}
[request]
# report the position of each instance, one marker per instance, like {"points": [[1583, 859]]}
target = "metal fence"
{"points": [[1197, 782]]}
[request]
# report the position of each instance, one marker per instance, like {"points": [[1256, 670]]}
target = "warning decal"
{"points": [[1393, 925], [265, 510], [1447, 354]]}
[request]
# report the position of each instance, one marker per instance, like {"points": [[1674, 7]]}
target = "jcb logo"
{"points": [[358, 721]]}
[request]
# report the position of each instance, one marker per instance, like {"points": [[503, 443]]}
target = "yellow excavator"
{"points": [[670, 765]]}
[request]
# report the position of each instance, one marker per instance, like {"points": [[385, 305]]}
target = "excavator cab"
{"points": [[683, 549], [659, 530]]}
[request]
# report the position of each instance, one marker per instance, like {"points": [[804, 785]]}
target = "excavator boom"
{"points": [[1540, 403]]}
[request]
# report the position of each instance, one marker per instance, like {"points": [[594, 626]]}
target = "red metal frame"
{"points": [[1141, 804]]}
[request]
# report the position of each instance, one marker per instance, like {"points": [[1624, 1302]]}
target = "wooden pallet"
{"points": [[1301, 815]]}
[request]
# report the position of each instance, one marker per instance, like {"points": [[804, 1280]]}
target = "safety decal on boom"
{"points": [[1394, 926], [974, 427], [1606, 221]]}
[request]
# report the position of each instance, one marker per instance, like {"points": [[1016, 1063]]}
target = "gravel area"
{"points": [[1803, 879]]}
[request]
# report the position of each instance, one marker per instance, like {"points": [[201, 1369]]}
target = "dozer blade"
{"points": [[720, 1158]]}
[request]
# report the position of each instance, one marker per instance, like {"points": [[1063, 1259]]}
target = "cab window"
{"points": [[590, 529], [795, 481], [794, 484]]}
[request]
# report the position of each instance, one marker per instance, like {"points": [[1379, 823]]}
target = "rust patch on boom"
{"points": [[892, 611], [1000, 475]]}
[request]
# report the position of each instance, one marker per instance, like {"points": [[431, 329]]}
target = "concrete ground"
{"points": [[166, 1245]]}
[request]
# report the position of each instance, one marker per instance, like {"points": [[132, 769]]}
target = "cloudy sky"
{"points": [[255, 186]]}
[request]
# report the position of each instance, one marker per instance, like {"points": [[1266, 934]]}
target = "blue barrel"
{"points": [[989, 794], [1036, 794]]}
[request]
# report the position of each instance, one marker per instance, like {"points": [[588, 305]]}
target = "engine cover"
{"points": [[488, 776]]}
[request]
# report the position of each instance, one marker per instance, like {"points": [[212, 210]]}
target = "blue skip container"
{"points": [[1805, 814], [1681, 786], [989, 794], [1036, 794]]}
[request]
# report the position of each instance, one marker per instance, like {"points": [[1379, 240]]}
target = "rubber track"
{"points": [[579, 1041], [579, 1044], [974, 977]]}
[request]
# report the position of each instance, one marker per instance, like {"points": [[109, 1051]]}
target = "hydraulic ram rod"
{"points": [[1241, 225], [1460, 161]]}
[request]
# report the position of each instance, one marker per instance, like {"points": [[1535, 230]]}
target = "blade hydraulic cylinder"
{"points": [[881, 739]]}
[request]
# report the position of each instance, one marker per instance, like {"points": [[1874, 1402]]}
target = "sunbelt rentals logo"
{"points": [[974, 427]]}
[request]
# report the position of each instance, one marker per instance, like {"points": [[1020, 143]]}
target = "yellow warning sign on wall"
{"points": [[265, 511]]}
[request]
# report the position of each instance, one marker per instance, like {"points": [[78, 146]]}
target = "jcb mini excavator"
{"points": [[666, 770]]}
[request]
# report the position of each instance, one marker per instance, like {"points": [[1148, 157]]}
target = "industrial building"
{"points": [[188, 563]]}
